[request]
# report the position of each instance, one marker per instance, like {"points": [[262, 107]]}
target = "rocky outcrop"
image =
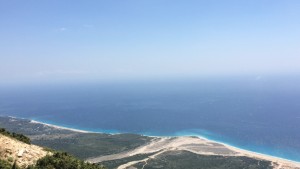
{"points": [[23, 154]]}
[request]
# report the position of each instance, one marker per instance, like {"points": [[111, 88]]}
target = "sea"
{"points": [[256, 113]]}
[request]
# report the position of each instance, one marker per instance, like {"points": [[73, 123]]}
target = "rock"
{"points": [[23, 153], [20, 153]]}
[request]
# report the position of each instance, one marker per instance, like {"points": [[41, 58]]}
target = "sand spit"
{"points": [[195, 145]]}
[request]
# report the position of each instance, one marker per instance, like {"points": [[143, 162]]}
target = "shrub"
{"points": [[5, 164], [10, 159], [62, 160]]}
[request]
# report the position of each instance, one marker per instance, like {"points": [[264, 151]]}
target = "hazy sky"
{"points": [[56, 40]]}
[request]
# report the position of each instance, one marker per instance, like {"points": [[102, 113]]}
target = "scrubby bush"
{"points": [[62, 160], [10, 159], [5, 165]]}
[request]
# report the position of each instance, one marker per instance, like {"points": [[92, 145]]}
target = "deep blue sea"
{"points": [[261, 114]]}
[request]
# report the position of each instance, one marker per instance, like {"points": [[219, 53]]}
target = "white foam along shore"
{"points": [[61, 127], [67, 128], [253, 154], [233, 148]]}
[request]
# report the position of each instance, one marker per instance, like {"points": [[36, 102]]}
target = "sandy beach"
{"points": [[61, 127]]}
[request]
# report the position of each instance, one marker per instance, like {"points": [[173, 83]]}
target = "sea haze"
{"points": [[261, 114]]}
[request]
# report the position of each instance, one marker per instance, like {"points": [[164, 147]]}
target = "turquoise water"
{"points": [[257, 115]]}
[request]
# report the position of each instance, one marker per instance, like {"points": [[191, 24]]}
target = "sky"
{"points": [[66, 40]]}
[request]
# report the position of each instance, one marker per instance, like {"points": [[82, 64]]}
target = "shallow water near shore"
{"points": [[258, 115]]}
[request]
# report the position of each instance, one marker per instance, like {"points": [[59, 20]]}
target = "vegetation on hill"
{"points": [[55, 160], [62, 160], [59, 160], [19, 137]]}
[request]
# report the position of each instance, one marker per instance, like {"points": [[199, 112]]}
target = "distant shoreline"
{"points": [[254, 154], [247, 153], [61, 127], [244, 152]]}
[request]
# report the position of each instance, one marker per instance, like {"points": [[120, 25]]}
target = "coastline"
{"points": [[61, 127], [245, 151], [242, 152], [263, 156], [254, 154]]}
